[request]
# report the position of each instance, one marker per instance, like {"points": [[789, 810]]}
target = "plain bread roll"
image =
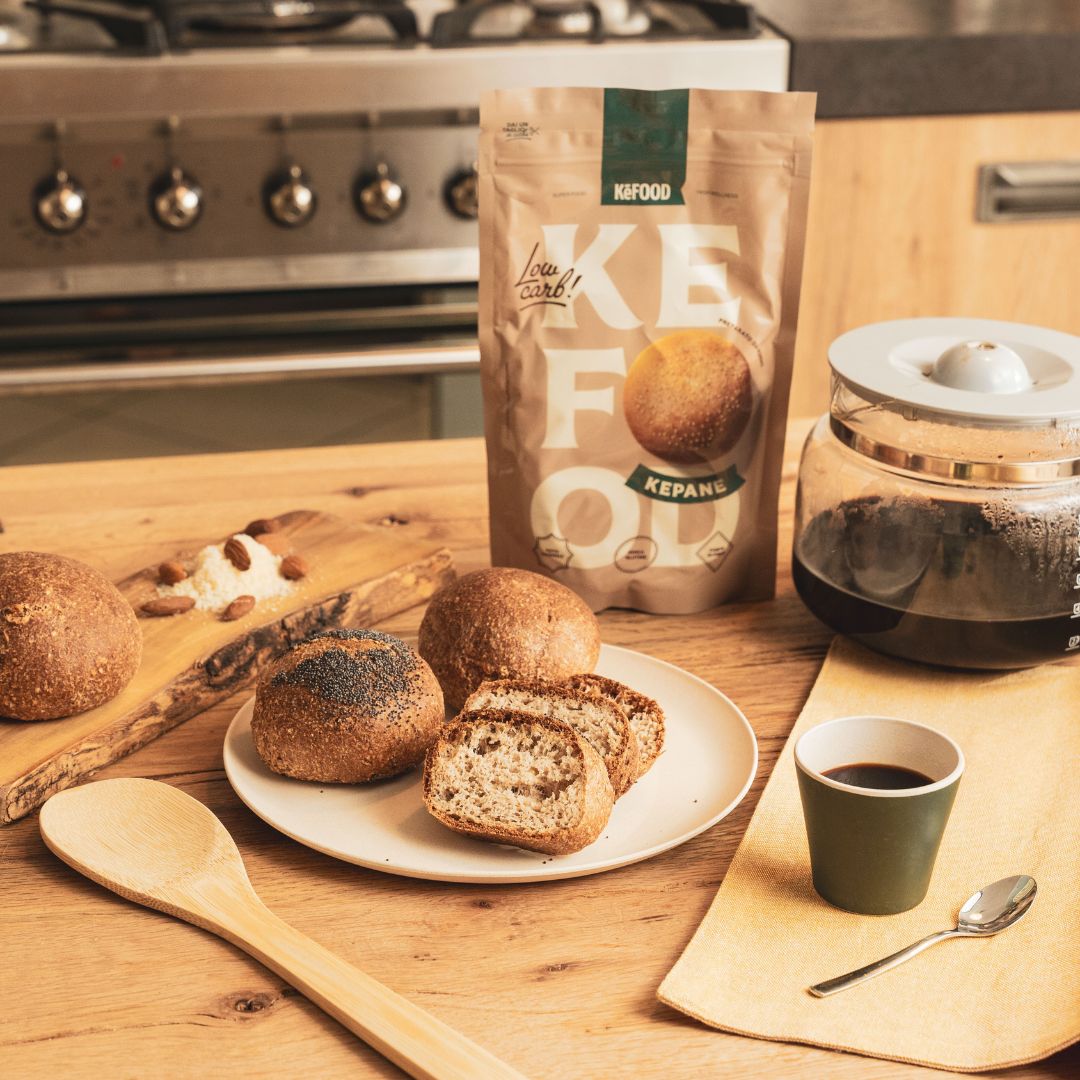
{"points": [[69, 641], [518, 779], [503, 623]]}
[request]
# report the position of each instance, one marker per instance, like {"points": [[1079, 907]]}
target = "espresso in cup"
{"points": [[876, 794], [885, 777]]}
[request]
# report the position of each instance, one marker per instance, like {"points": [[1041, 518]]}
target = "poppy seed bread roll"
{"points": [[503, 623], [69, 641], [346, 706]]}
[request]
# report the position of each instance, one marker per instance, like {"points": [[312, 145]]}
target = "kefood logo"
{"points": [[642, 193], [644, 157]]}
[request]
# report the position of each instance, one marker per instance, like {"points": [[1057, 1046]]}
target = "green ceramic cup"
{"points": [[872, 850]]}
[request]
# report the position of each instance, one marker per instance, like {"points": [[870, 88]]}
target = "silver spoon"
{"points": [[991, 910]]}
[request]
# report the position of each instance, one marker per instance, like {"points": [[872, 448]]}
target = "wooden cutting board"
{"points": [[357, 576]]}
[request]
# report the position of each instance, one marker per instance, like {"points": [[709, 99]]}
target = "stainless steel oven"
{"points": [[218, 194]]}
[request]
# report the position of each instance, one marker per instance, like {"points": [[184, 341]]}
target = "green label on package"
{"points": [[684, 489], [644, 158]]}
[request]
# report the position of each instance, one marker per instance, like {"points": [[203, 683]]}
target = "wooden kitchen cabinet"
{"points": [[892, 232]]}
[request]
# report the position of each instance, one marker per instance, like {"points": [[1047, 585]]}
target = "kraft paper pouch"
{"points": [[640, 258]]}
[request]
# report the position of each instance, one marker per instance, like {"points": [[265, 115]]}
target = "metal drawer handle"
{"points": [[1028, 191]]}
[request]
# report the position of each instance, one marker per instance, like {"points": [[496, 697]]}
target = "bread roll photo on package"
{"points": [[641, 253]]}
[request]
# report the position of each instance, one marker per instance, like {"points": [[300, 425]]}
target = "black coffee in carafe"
{"points": [[942, 582], [938, 506]]}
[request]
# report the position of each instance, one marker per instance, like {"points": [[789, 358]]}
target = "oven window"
{"points": [[256, 416], [154, 376]]}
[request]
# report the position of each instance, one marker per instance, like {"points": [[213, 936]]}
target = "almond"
{"points": [[169, 573], [238, 608], [262, 525], [237, 554], [278, 543], [294, 567], [168, 605]]}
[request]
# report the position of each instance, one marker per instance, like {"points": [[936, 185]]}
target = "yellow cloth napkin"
{"points": [[964, 1005]]}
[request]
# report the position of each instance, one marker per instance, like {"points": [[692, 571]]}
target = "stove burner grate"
{"points": [[153, 26], [499, 22]]}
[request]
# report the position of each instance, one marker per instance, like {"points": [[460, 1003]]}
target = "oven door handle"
{"points": [[126, 374]]}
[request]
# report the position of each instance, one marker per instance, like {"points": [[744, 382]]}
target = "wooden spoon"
{"points": [[153, 844]]}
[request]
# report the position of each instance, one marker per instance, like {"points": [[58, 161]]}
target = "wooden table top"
{"points": [[557, 979]]}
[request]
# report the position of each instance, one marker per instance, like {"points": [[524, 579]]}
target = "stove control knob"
{"points": [[380, 197], [176, 200], [60, 203], [461, 193], [290, 198]]}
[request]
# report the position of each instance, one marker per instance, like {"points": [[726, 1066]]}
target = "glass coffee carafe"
{"points": [[938, 508]]}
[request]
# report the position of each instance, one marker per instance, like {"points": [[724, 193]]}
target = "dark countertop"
{"points": [[921, 57]]}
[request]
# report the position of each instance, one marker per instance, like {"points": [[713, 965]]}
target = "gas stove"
{"points": [[152, 27], [192, 146]]}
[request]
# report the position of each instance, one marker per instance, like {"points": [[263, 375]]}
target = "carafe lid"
{"points": [[974, 370]]}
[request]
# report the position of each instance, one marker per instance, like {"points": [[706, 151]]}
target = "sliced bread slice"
{"points": [[518, 779], [600, 721], [645, 716]]}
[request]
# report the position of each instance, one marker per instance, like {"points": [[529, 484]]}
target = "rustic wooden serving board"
{"points": [[357, 576]]}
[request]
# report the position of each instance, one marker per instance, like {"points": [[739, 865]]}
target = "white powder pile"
{"points": [[215, 582]]}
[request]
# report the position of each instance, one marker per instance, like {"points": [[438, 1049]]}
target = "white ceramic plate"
{"points": [[708, 764]]}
